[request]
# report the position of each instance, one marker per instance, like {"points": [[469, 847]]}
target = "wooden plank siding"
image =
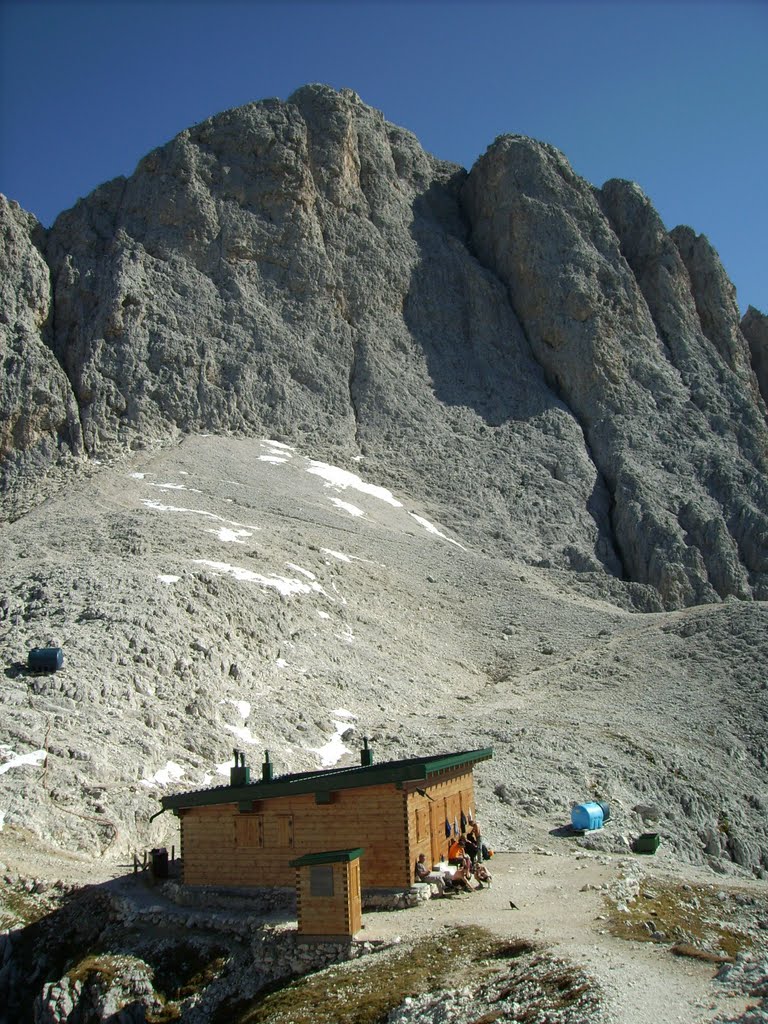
{"points": [[222, 847], [339, 914], [426, 817]]}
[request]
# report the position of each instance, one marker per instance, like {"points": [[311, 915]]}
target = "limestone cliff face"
{"points": [[541, 365], [754, 327], [38, 414], [647, 353], [300, 269]]}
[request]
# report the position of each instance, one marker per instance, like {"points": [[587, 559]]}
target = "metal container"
{"points": [[45, 659], [648, 842]]}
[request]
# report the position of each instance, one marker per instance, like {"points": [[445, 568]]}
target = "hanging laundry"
{"points": [[447, 829], [463, 822], [455, 826], [469, 812]]}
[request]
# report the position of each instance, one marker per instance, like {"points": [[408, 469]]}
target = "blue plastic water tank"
{"points": [[45, 659], [586, 817]]}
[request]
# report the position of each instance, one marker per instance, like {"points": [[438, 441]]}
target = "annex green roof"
{"points": [[329, 857], [412, 769]]}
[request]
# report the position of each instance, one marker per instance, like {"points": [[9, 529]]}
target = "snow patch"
{"points": [[323, 615], [342, 713], [335, 554], [277, 444], [242, 732], [17, 760], [342, 479], [333, 751], [243, 707], [169, 579], [281, 663], [171, 773], [230, 536], [274, 459], [304, 572], [430, 528], [137, 476], [157, 506], [346, 507], [283, 584], [176, 487]]}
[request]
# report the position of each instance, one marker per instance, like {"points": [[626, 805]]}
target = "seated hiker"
{"points": [[460, 879], [457, 853], [423, 874], [482, 875]]}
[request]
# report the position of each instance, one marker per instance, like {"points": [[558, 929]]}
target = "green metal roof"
{"points": [[412, 769], [329, 857]]}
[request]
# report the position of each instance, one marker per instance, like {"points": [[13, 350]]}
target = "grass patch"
{"points": [[19, 907], [365, 991], [683, 949], [102, 965], [692, 918], [103, 969], [184, 968]]}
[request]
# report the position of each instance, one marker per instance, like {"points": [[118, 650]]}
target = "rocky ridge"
{"points": [[304, 269]]}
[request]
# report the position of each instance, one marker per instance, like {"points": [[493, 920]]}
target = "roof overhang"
{"points": [[427, 770]]}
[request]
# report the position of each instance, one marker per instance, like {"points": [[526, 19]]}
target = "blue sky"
{"points": [[671, 95]]}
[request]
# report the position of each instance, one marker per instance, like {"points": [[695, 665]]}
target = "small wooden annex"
{"points": [[328, 888], [249, 833]]}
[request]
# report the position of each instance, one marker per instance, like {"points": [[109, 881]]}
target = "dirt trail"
{"points": [[643, 982]]}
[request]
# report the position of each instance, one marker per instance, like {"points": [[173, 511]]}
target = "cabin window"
{"points": [[249, 830], [321, 880], [285, 830]]}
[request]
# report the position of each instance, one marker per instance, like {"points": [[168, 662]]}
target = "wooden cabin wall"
{"points": [[426, 818], [339, 914], [223, 846]]}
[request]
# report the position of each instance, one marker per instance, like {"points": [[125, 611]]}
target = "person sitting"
{"points": [[457, 853], [423, 874], [482, 875], [460, 878]]}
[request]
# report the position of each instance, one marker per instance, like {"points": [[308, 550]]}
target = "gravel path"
{"points": [[642, 981]]}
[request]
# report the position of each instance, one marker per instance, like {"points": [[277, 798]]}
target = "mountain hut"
{"points": [[252, 833]]}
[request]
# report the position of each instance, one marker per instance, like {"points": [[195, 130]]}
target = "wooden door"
{"points": [[355, 898], [436, 831]]}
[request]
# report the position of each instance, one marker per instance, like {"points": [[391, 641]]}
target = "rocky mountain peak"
{"points": [[540, 360]]}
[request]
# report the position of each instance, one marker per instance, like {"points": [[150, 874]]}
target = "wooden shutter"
{"points": [[285, 830], [249, 830]]}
